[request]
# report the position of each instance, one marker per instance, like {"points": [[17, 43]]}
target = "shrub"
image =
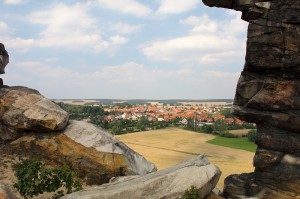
{"points": [[35, 177], [252, 135], [192, 193], [227, 134]]}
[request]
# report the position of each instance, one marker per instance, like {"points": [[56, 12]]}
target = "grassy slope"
{"points": [[236, 143]]}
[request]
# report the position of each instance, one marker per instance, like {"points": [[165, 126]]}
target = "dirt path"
{"points": [[170, 146]]}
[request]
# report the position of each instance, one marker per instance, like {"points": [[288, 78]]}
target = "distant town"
{"points": [[123, 116]]}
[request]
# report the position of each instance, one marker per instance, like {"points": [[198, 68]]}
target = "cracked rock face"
{"points": [[268, 92], [23, 109]]}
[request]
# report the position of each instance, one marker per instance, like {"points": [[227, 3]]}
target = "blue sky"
{"points": [[123, 49]]}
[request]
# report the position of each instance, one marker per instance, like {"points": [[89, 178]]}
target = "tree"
{"points": [[226, 112], [220, 126], [252, 135]]}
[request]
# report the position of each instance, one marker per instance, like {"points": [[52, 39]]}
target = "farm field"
{"points": [[167, 147]]}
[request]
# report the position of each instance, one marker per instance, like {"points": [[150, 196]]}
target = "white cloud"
{"points": [[14, 2], [190, 48], [176, 6], [4, 30], [208, 41], [127, 80], [202, 24], [220, 74], [124, 28], [118, 40], [132, 7], [18, 43], [68, 26]]}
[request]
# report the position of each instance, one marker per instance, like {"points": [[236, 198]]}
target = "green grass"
{"points": [[236, 143]]}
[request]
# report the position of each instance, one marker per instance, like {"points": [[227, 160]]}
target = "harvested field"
{"points": [[170, 146]]}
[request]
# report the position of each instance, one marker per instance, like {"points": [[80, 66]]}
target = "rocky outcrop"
{"points": [[168, 183], [100, 140], [4, 59], [268, 92], [31, 125], [23, 109], [93, 166]]}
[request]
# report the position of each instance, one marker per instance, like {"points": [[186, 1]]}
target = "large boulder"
{"points": [[24, 109], [168, 183], [100, 140]]}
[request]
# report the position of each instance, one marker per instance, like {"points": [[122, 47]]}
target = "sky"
{"points": [[123, 49]]}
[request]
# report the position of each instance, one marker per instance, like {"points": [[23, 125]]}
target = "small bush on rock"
{"points": [[35, 177], [192, 193]]}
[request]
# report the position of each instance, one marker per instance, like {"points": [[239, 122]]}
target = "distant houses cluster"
{"points": [[199, 114]]}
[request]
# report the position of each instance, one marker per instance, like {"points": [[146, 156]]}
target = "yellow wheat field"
{"points": [[170, 146]]}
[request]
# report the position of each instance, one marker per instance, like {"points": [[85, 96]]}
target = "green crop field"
{"points": [[235, 143]]}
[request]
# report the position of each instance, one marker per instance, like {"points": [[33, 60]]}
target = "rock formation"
{"points": [[168, 183], [100, 140], [23, 109], [268, 93], [4, 60], [32, 125]]}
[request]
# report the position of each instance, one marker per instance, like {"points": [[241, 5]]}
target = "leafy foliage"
{"points": [[227, 134], [35, 177], [252, 135], [192, 193]]}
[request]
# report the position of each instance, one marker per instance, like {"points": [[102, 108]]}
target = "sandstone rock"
{"points": [[26, 109], [100, 140], [93, 166], [268, 93], [168, 183], [265, 158], [240, 185], [5, 193], [4, 58]]}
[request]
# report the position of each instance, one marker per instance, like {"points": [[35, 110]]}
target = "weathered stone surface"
{"points": [[219, 3], [268, 93], [278, 140], [240, 185], [91, 136], [4, 58], [8, 134], [26, 109], [265, 158], [5, 193], [93, 166], [168, 183]]}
